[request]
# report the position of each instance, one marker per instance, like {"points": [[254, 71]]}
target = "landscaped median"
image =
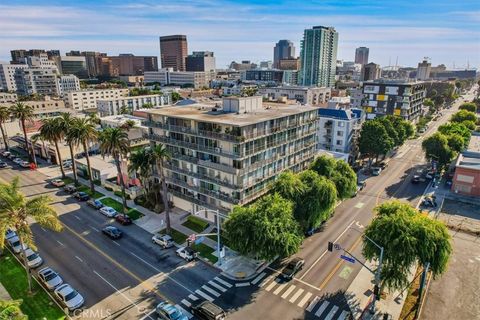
{"points": [[132, 213], [37, 305]]}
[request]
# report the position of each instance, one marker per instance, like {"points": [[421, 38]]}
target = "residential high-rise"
{"points": [[423, 70], [284, 49], [371, 71], [201, 61], [173, 52], [361, 55], [36, 81], [66, 84], [318, 56], [7, 76], [76, 65], [127, 64], [92, 60]]}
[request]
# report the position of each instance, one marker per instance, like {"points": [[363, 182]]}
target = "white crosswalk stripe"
{"points": [[217, 286], [322, 308], [264, 282], [225, 283], [186, 303], [343, 315], [313, 304], [204, 295], [289, 290], [210, 290], [304, 299], [193, 297], [280, 288], [271, 285], [185, 312], [331, 313], [258, 278], [296, 295]]}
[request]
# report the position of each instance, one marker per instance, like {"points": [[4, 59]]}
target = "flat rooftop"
{"points": [[206, 113], [474, 145]]}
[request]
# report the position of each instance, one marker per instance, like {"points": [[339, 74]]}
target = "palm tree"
{"points": [[24, 113], [65, 124], [16, 211], [82, 133], [114, 142], [4, 116], [128, 125], [160, 155], [52, 131], [141, 163], [93, 118]]}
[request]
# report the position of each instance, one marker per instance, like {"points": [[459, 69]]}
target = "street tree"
{"points": [[458, 128], [436, 148], [339, 172], [374, 140], [288, 185], [52, 132], [65, 123], [469, 106], [464, 115], [265, 229], [4, 117], [455, 142], [408, 238], [24, 113], [469, 124], [16, 213], [391, 130], [160, 155]]}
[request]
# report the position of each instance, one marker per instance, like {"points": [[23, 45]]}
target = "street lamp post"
{"points": [[218, 215]]}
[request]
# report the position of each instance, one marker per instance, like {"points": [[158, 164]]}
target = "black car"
{"points": [[82, 196], [292, 268], [3, 165], [112, 232], [94, 203], [70, 188], [123, 219], [208, 311]]}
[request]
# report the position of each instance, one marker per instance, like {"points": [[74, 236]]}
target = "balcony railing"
{"points": [[199, 202], [218, 181], [214, 194]]}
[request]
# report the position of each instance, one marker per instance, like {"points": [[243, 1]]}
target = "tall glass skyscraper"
{"points": [[318, 56]]}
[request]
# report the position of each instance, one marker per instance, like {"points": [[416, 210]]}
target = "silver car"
{"points": [[50, 278], [33, 258], [69, 297], [15, 244]]}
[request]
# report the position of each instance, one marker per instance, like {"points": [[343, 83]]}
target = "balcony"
{"points": [[199, 202], [189, 130], [216, 180], [214, 194]]}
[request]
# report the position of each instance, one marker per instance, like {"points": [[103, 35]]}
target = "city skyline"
{"points": [[444, 32]]}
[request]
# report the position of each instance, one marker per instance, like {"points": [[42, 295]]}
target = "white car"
{"points": [[33, 258], [6, 153], [18, 160], [163, 240], [24, 164], [50, 278], [186, 253], [108, 211], [376, 171], [69, 297], [15, 244], [9, 234]]}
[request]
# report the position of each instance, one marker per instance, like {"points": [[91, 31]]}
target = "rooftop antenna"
{"points": [[396, 63]]}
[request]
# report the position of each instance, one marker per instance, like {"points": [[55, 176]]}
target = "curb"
{"points": [[250, 277]]}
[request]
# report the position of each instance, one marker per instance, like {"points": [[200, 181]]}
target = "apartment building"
{"points": [[7, 76], [136, 135], [168, 76], [6, 97], [304, 95], [122, 105], [66, 84], [36, 81], [229, 155], [87, 99]]}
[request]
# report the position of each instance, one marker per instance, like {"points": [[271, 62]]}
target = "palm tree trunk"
{"points": [[122, 184], [85, 149], [30, 157], [4, 136], [74, 165], [59, 158], [27, 268], [165, 197]]}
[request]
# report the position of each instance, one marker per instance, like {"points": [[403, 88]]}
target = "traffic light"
{"points": [[330, 246]]}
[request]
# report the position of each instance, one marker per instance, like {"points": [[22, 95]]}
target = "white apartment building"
{"points": [[87, 99], [8, 97], [304, 95], [36, 81], [356, 98], [66, 84], [237, 89], [136, 135], [7, 76], [166, 76], [40, 61], [229, 155], [120, 105]]}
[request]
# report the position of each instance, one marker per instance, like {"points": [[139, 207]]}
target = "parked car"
{"points": [[9, 234], [360, 186], [17, 160], [186, 253], [123, 219], [15, 244], [416, 179], [94, 203], [208, 311], [292, 268], [12, 156], [112, 232], [49, 278], [69, 297], [6, 153], [376, 171], [166, 311], [429, 201], [33, 258], [163, 240], [24, 164], [108, 211], [70, 188], [57, 183], [81, 196], [4, 165]]}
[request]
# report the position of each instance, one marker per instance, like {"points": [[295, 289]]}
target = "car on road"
{"points": [[94, 203], [57, 183], [6, 153], [166, 311], [70, 188], [186, 253], [123, 219], [108, 211], [112, 232], [4, 165], [24, 164], [49, 278], [12, 156], [15, 244], [9, 234], [207, 310], [376, 171], [292, 268], [416, 179], [69, 297], [163, 240], [81, 196], [17, 160], [360, 186], [33, 258]]}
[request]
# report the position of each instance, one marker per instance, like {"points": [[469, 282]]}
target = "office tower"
{"points": [[201, 61], [361, 55], [36, 81], [173, 52], [318, 56], [75, 65], [284, 49], [371, 71], [423, 70]]}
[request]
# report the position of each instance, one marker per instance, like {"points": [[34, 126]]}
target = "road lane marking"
{"points": [[204, 295], [289, 290], [148, 315], [312, 304], [185, 312], [296, 295], [258, 278], [242, 284], [322, 308], [280, 288], [271, 285], [216, 286], [210, 290], [76, 217], [146, 262], [95, 229], [264, 282], [304, 299], [225, 283], [343, 315], [331, 313], [60, 243], [186, 303], [118, 244], [79, 259], [193, 297], [43, 229]]}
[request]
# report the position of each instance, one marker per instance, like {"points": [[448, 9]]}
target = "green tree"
{"points": [[176, 96], [24, 113], [470, 125], [464, 115], [16, 211], [374, 140], [391, 130], [339, 172], [458, 128], [141, 164], [288, 185], [10, 310], [65, 123], [128, 125], [52, 132], [436, 147], [455, 142], [408, 237], [4, 117], [264, 230], [469, 106], [160, 155]]}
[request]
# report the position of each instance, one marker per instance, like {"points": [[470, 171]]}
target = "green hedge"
{"points": [[196, 224]]}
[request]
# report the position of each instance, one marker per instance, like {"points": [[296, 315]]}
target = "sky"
{"points": [[446, 31]]}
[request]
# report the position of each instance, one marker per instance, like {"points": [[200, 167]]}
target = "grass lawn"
{"points": [[205, 251], [410, 305], [196, 224], [67, 180], [176, 235], [14, 279], [132, 213], [87, 190]]}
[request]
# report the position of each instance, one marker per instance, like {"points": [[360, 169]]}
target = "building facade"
{"points": [[361, 55], [7, 76], [289, 64], [318, 57], [36, 81], [393, 97], [125, 105], [66, 84], [6, 97], [284, 49], [196, 80], [423, 70], [173, 52], [76, 65], [202, 61], [131, 65], [243, 65], [226, 156], [304, 95], [87, 99], [371, 71]]}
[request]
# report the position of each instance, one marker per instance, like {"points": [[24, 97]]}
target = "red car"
{"points": [[123, 219]]}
